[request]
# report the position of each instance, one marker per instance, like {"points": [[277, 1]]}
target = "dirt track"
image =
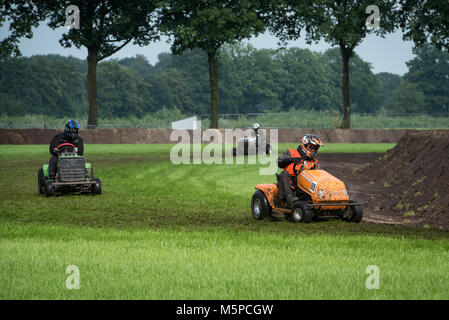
{"points": [[344, 166]]}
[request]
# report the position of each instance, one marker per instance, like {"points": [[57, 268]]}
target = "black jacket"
{"points": [[62, 138], [286, 158]]}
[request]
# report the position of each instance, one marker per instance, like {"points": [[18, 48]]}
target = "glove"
{"points": [[76, 150], [56, 150], [295, 168]]}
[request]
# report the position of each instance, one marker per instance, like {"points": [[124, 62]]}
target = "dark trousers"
{"points": [[285, 187], [52, 166]]}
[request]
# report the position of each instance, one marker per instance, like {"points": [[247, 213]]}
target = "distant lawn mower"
{"points": [[321, 196], [73, 175], [250, 145]]}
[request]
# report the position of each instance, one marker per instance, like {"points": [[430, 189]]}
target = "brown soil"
{"points": [[414, 177], [408, 185]]}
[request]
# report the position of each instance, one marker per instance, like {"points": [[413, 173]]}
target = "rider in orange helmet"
{"points": [[293, 161]]}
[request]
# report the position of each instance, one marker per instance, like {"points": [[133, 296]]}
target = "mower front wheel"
{"points": [[301, 213], [355, 213], [260, 207]]}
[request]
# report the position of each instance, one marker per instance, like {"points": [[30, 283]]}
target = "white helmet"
{"points": [[256, 126]]}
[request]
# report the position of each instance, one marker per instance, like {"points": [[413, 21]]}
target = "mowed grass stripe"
{"points": [[162, 264]]}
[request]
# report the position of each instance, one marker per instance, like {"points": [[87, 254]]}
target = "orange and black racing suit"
{"points": [[293, 161]]}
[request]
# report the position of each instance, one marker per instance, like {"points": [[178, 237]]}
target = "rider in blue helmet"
{"points": [[72, 129], [70, 135]]}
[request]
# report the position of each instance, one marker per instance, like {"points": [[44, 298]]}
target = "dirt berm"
{"points": [[411, 181], [43, 136]]}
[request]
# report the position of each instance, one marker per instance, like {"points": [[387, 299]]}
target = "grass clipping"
{"points": [[415, 179]]}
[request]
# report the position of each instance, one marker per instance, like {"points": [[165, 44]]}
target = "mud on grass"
{"points": [[142, 189]]}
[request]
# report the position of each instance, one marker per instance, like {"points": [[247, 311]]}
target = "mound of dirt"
{"points": [[414, 180]]}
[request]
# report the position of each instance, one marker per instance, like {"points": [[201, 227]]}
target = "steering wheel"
{"points": [[66, 147]]}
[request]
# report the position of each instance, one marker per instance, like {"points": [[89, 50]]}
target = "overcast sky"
{"points": [[387, 54]]}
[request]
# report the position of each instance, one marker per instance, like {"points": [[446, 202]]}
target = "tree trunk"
{"points": [[92, 86], [213, 78], [345, 55]]}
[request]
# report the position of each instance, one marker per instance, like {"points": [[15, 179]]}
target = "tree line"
{"points": [[251, 80], [106, 26]]}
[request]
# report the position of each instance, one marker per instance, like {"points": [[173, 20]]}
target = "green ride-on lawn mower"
{"points": [[73, 175]]}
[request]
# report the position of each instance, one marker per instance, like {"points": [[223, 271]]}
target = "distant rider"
{"points": [[70, 135], [260, 137], [293, 161], [256, 128]]}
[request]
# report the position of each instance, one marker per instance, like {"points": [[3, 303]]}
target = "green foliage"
{"points": [[429, 71], [388, 83], [104, 28], [364, 86], [42, 85], [121, 88], [209, 24], [340, 23], [408, 97], [139, 62], [252, 81], [426, 21]]}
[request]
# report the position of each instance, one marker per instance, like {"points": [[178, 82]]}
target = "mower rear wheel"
{"points": [[268, 149], [301, 213], [40, 181], [96, 188], [49, 189], [260, 207]]}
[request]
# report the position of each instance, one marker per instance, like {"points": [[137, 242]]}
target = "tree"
{"points": [[308, 85], [123, 92], [388, 83], [207, 25], [364, 87], [139, 63], [408, 97], [105, 26], [189, 72], [341, 23], [47, 84], [22, 16], [426, 21], [429, 70]]}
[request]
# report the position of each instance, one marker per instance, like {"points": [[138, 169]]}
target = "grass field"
{"points": [[164, 231]]}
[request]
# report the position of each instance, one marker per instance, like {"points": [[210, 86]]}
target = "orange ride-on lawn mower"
{"points": [[321, 195]]}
